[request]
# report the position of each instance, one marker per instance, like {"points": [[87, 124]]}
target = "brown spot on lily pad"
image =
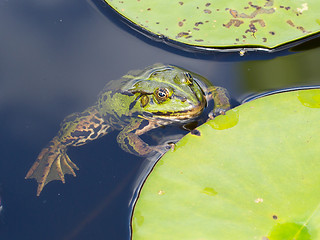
{"points": [[252, 28], [198, 23], [259, 10], [268, 3], [260, 21], [290, 23], [182, 34], [302, 29], [234, 13], [234, 22]]}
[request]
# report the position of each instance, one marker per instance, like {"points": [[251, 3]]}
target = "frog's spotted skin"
{"points": [[139, 102]]}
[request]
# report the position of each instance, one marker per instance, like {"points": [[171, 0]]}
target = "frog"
{"points": [[140, 101]]}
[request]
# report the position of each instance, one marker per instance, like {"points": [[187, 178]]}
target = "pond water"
{"points": [[56, 56]]}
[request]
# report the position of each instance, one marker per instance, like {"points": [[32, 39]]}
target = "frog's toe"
{"points": [[67, 166], [217, 112]]}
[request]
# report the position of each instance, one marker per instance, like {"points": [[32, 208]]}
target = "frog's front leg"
{"points": [[76, 129], [220, 98], [130, 141]]}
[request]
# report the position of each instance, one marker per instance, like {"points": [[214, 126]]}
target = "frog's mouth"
{"points": [[192, 113]]}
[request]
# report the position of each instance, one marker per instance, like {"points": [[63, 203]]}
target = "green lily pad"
{"points": [[217, 25], [251, 174]]}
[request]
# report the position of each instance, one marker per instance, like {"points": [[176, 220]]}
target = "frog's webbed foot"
{"points": [[52, 164], [221, 101]]}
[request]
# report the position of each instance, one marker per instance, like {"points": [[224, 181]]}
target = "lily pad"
{"points": [[222, 25], [250, 174]]}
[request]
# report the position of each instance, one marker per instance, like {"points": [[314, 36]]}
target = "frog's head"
{"points": [[167, 92]]}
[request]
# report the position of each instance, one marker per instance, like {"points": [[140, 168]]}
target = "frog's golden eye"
{"points": [[161, 94], [188, 78], [144, 100]]}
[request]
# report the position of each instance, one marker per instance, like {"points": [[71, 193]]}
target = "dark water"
{"points": [[55, 58]]}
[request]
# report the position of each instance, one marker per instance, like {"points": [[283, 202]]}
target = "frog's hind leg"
{"points": [[76, 129]]}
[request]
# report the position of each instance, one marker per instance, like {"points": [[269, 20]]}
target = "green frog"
{"points": [[140, 101]]}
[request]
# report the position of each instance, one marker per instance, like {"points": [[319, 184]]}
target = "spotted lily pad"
{"points": [[220, 25], [250, 174]]}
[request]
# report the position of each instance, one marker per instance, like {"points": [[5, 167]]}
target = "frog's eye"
{"points": [[188, 78], [161, 94], [144, 100]]}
